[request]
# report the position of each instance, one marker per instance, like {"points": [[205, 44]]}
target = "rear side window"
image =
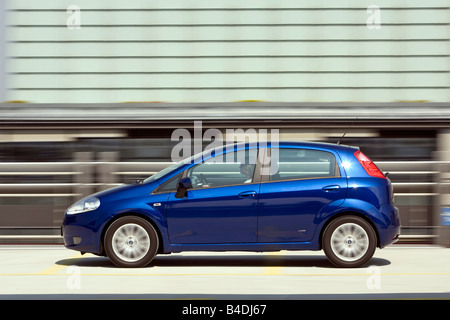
{"points": [[289, 164]]}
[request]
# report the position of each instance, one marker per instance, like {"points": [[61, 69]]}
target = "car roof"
{"points": [[308, 144], [325, 145], [339, 148], [286, 144]]}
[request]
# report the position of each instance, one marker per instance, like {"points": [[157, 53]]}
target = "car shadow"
{"points": [[222, 261]]}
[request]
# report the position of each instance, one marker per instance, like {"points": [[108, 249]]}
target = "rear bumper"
{"points": [[396, 238], [389, 232]]}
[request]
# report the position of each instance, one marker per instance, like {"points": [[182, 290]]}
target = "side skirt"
{"points": [[255, 247]]}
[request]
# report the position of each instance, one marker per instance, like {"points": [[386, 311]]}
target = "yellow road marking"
{"points": [[273, 270], [47, 273], [54, 269]]}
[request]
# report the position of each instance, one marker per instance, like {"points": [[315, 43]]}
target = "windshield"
{"points": [[169, 169], [204, 155], [163, 172]]}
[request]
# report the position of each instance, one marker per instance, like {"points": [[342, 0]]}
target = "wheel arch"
{"points": [[136, 214]]}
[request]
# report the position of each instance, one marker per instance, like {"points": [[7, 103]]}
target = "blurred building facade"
{"points": [[93, 91], [89, 51]]}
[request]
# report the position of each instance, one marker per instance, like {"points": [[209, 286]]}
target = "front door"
{"points": [[222, 205]]}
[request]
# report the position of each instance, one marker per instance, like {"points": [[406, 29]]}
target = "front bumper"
{"points": [[80, 232]]}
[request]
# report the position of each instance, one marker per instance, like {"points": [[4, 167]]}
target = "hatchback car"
{"points": [[244, 197]]}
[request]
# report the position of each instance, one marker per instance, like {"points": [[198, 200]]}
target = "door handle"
{"points": [[247, 194], [334, 188]]}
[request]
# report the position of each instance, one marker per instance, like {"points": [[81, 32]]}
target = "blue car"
{"points": [[244, 197]]}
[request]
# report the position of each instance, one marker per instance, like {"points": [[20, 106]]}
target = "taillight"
{"points": [[370, 167]]}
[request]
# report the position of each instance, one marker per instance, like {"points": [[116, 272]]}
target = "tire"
{"points": [[349, 242], [131, 242]]}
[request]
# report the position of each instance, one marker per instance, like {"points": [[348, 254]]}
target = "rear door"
{"points": [[302, 184]]}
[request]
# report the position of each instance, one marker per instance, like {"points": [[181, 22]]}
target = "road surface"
{"points": [[53, 272]]}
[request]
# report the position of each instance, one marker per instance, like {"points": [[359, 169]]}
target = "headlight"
{"points": [[84, 205]]}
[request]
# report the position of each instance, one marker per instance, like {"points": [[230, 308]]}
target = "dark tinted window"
{"points": [[301, 164]]}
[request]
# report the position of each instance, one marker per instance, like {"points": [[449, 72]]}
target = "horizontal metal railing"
{"points": [[71, 180], [145, 169], [9, 188], [413, 170]]}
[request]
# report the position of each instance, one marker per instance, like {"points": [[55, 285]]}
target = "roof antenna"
{"points": [[339, 142]]}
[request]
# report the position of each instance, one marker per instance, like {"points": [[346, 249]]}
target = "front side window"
{"points": [[289, 164], [231, 168]]}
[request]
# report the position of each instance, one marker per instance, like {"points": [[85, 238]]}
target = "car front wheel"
{"points": [[131, 242], [349, 241]]}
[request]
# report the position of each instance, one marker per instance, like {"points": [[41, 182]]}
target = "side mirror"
{"points": [[183, 185]]}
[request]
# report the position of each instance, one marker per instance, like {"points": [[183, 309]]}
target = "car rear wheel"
{"points": [[349, 241], [131, 242]]}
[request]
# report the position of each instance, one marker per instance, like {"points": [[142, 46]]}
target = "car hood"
{"points": [[126, 191]]}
